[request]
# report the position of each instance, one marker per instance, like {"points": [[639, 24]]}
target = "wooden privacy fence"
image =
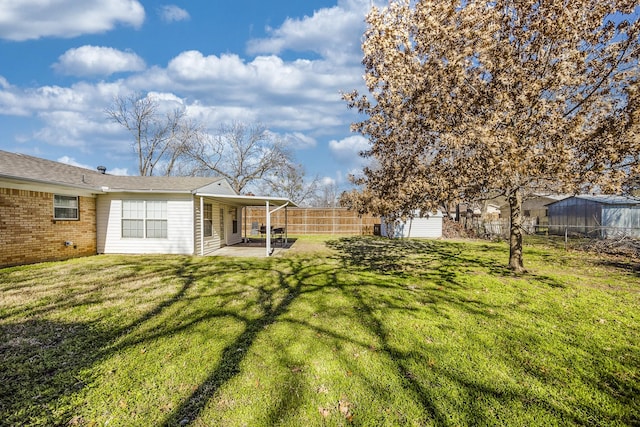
{"points": [[311, 221]]}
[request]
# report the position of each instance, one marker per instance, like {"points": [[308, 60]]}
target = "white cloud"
{"points": [[97, 61], [327, 181], [33, 19], [331, 32], [299, 140], [72, 161], [173, 13], [298, 99], [347, 151]]}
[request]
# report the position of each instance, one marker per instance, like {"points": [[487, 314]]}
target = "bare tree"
{"points": [[327, 195], [290, 182], [159, 140], [242, 153], [482, 98]]}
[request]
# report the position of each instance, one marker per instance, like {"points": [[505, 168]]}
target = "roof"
{"points": [[606, 199], [154, 183], [35, 169], [29, 168], [248, 200]]}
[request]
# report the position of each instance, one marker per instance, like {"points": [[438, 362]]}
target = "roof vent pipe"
{"points": [[102, 169]]}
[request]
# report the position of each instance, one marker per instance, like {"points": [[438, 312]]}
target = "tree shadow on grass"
{"points": [[40, 365], [438, 261], [43, 362], [273, 303], [406, 257], [429, 259]]}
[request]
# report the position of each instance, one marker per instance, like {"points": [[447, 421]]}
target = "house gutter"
{"points": [[87, 187], [150, 191]]}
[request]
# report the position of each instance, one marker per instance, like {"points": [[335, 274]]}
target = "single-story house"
{"points": [[605, 216], [421, 225], [52, 211]]}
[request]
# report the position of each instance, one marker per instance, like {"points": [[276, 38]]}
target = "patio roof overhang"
{"points": [[246, 201]]}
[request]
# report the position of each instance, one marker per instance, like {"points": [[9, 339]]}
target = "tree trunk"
{"points": [[515, 232]]}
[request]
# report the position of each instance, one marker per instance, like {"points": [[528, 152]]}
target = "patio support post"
{"points": [[268, 229], [201, 226]]}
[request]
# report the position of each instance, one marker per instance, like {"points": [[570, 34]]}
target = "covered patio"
{"points": [[261, 244], [255, 247]]}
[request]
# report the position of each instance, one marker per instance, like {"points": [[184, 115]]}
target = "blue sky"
{"points": [[282, 64]]}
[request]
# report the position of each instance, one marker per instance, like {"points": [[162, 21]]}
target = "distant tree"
{"points": [[473, 99], [242, 153], [327, 195], [290, 182], [159, 140]]}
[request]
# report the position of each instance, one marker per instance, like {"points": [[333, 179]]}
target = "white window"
{"points": [[208, 220], [144, 219], [65, 207]]}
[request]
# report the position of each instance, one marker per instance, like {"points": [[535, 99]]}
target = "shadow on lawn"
{"points": [[434, 260], [412, 257], [42, 360], [66, 349], [273, 303], [40, 365]]}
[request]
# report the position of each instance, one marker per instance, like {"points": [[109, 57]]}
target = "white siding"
{"points": [[220, 187], [211, 243], [416, 227], [233, 238], [180, 226]]}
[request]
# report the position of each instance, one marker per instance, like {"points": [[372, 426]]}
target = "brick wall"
{"points": [[29, 234]]}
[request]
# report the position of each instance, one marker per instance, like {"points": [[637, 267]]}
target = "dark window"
{"points": [[208, 220], [65, 207]]}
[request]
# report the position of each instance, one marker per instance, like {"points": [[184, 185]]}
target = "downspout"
{"points": [[201, 226]]}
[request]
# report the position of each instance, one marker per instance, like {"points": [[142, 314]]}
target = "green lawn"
{"points": [[339, 331]]}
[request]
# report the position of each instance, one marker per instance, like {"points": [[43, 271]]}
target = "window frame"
{"points": [[207, 220], [57, 205], [150, 216]]}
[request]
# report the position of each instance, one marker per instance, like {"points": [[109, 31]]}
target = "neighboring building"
{"points": [[603, 216], [535, 207], [428, 225], [54, 211]]}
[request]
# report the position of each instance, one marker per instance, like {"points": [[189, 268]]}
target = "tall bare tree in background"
{"points": [[474, 99], [159, 140], [290, 182], [241, 153]]}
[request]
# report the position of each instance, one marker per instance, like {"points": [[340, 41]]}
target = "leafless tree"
{"points": [[290, 182], [327, 195], [241, 153], [481, 98], [159, 140]]}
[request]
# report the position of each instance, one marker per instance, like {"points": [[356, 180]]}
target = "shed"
{"points": [[604, 216], [421, 225]]}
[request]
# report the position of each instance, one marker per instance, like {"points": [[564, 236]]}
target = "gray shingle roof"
{"points": [[29, 168]]}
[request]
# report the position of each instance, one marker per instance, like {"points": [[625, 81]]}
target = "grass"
{"points": [[339, 331]]}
